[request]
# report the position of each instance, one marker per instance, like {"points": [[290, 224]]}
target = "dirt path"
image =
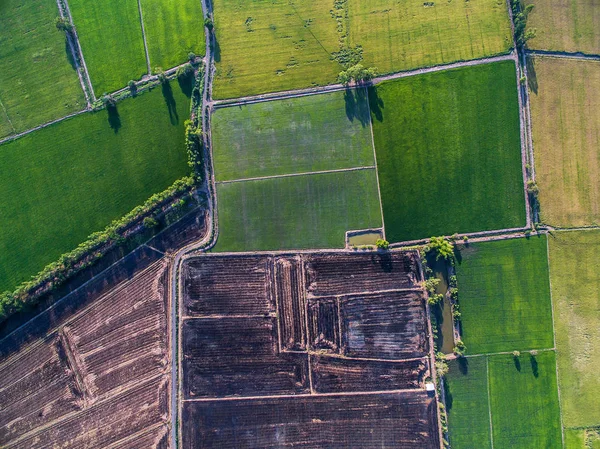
{"points": [[7, 118], [564, 54], [290, 175], [44, 125], [144, 37]]}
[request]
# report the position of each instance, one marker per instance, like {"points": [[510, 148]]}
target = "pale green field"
{"points": [[403, 35], [566, 25], [566, 138]]}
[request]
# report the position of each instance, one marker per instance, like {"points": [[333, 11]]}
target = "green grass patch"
{"points": [[504, 296], [37, 81], [173, 29], [403, 35], [308, 211], [312, 133], [524, 402], [66, 181], [575, 439], [449, 152], [575, 280], [110, 34], [467, 404]]}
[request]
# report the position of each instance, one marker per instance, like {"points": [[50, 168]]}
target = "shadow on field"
{"points": [[532, 81], [448, 396], [186, 84], [534, 365], [376, 103], [114, 120], [216, 50], [167, 92], [517, 361], [69, 54], [356, 105]]}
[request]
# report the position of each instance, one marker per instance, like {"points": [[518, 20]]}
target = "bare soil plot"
{"points": [[403, 420], [565, 25], [100, 378], [274, 338], [565, 101]]}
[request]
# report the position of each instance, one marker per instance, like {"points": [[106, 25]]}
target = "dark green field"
{"points": [[298, 135], [504, 296], [308, 211], [448, 152], [66, 181]]}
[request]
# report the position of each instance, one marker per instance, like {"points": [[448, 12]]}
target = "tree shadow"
{"points": [[356, 105], [186, 84], [448, 396], [463, 365], [70, 54], [534, 365], [385, 260], [376, 103], [167, 92], [216, 48], [114, 120], [532, 80], [517, 361]]}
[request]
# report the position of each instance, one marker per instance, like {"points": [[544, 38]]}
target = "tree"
{"points": [[191, 56], [132, 86], [184, 71], [150, 222], [441, 247], [357, 73], [208, 23], [108, 100], [382, 244], [63, 24]]}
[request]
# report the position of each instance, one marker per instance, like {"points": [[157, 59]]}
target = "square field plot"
{"points": [[565, 25], [504, 296], [565, 105], [308, 211], [449, 152], [399, 36], [73, 178], [523, 402], [575, 278], [38, 81], [311, 133]]}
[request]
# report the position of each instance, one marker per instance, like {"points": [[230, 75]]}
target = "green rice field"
{"points": [[523, 402], [68, 180], [449, 152], [295, 212], [37, 81], [504, 295], [575, 278], [173, 29], [312, 133]]}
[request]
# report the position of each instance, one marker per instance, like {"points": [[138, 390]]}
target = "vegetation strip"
{"points": [[144, 36]]}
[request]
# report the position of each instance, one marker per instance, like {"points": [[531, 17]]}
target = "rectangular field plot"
{"points": [[309, 211], [406, 420], [173, 29], [449, 152], [99, 378], [38, 83], [298, 135], [572, 25], [110, 34], [575, 277], [342, 274], [273, 46], [341, 374], [291, 302], [239, 356], [228, 286], [504, 296], [398, 36], [566, 132], [73, 178], [524, 402]]}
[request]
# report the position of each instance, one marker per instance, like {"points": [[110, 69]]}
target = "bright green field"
{"points": [[449, 152], [575, 279], [504, 296], [308, 211], [110, 34], [404, 35], [173, 29], [37, 82], [524, 402], [66, 181], [467, 404], [312, 133]]}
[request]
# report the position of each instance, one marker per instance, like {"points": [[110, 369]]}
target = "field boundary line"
{"points": [[375, 161], [491, 354], [139, 2], [497, 234], [225, 317], [76, 38], [577, 229], [307, 395], [144, 431], [562, 424], [288, 94], [564, 55], [290, 175], [7, 118], [489, 395]]}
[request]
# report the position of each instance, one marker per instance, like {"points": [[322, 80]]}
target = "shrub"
{"points": [[150, 222], [533, 353], [63, 24], [358, 74], [184, 71], [160, 73], [459, 348], [382, 244], [108, 100], [516, 354], [132, 86], [431, 284], [208, 23], [435, 299], [441, 248], [191, 56]]}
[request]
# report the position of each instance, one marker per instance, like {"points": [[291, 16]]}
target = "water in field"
{"points": [[364, 238], [445, 338]]}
